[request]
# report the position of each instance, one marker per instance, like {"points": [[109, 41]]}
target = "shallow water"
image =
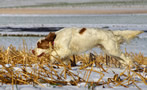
{"points": [[18, 41], [74, 19]]}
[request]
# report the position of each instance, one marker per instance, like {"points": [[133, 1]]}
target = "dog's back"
{"points": [[81, 39]]}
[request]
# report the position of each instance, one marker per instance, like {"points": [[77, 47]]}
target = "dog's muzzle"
{"points": [[33, 51]]}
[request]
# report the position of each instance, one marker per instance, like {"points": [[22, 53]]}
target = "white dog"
{"points": [[71, 41]]}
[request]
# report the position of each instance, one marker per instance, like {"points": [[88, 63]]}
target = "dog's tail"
{"points": [[126, 35]]}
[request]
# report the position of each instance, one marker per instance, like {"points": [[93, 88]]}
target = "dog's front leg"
{"points": [[60, 56]]}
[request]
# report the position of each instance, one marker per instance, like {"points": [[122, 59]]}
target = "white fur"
{"points": [[69, 42]]}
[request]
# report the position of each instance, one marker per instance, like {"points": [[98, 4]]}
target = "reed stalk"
{"points": [[38, 70]]}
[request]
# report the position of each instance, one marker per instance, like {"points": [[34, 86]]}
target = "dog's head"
{"points": [[44, 44]]}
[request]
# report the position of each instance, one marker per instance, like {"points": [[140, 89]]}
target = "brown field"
{"points": [[70, 11], [41, 71]]}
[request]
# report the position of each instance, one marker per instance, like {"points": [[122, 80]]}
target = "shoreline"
{"points": [[69, 11]]}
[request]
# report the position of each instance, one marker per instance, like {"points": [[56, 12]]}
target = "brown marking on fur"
{"points": [[44, 44], [82, 30], [51, 36]]}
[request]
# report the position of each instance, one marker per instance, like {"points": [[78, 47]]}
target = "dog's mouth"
{"points": [[40, 55], [33, 51]]}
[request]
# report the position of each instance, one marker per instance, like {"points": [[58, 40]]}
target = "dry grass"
{"points": [[37, 70]]}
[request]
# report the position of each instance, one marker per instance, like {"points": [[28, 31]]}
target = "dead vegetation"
{"points": [[22, 67]]}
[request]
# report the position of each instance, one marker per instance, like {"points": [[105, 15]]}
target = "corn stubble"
{"points": [[20, 67]]}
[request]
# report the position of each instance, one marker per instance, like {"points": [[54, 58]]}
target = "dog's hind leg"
{"points": [[112, 48]]}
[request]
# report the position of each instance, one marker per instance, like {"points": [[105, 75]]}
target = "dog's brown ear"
{"points": [[51, 36]]}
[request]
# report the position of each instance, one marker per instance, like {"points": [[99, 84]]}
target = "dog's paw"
{"points": [[128, 61]]}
